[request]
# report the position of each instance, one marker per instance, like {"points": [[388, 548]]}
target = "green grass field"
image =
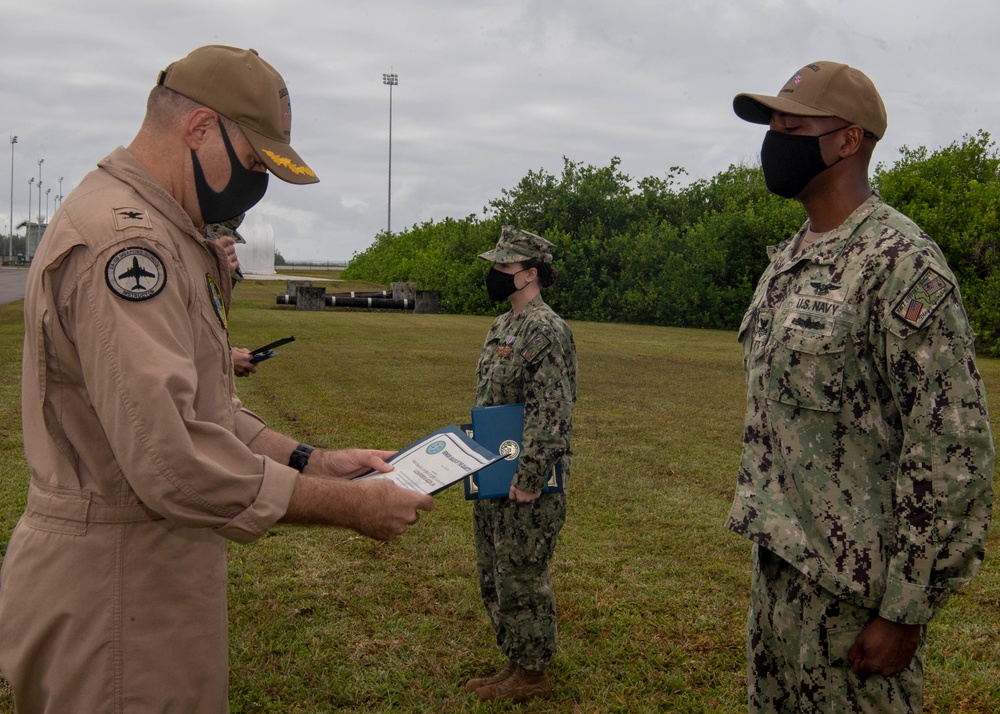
{"points": [[652, 590]]}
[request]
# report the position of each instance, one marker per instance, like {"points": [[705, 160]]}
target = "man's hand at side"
{"points": [[884, 647]]}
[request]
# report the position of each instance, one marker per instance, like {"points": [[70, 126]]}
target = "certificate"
{"points": [[437, 461]]}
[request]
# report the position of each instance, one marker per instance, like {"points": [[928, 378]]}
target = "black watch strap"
{"points": [[300, 457]]}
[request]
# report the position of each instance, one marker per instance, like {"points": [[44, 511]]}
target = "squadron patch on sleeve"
{"points": [[135, 274], [923, 297]]}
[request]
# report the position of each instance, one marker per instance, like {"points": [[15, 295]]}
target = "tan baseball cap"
{"points": [[820, 89], [517, 246], [247, 90]]}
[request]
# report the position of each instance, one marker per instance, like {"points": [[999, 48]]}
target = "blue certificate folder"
{"points": [[500, 430]]}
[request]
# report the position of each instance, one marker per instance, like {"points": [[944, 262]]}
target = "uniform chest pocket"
{"points": [[807, 366]]}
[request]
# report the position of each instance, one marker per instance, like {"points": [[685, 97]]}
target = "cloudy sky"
{"points": [[487, 90]]}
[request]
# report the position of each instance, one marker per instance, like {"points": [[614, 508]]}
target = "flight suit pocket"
{"points": [[807, 365]]}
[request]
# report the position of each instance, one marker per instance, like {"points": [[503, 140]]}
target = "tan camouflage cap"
{"points": [[517, 246], [247, 90], [820, 89], [227, 228]]}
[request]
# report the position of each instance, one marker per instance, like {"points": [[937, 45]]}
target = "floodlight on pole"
{"points": [[10, 235], [60, 196], [392, 80], [47, 192], [40, 162]]}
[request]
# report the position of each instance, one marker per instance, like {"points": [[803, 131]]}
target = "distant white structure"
{"points": [[33, 236], [257, 254]]}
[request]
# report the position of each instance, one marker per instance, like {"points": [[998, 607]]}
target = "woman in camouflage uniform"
{"points": [[529, 357]]}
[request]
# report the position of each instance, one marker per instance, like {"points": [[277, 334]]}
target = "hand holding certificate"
{"points": [[437, 461]]}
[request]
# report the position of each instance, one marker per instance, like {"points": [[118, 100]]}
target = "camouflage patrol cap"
{"points": [[517, 246], [245, 89], [820, 89], [226, 228]]}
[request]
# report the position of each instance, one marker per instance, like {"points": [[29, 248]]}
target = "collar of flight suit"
{"points": [[125, 167]]}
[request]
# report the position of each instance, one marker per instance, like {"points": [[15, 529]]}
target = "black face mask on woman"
{"points": [[500, 285], [791, 161], [245, 188]]}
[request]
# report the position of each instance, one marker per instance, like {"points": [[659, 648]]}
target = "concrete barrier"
{"points": [[312, 299]]}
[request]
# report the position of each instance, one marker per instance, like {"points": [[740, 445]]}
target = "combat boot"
{"points": [[473, 684], [520, 686]]}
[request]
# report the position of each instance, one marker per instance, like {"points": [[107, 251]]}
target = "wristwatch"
{"points": [[300, 457]]}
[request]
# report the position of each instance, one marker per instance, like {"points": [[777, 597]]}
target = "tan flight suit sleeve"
{"points": [[155, 371]]}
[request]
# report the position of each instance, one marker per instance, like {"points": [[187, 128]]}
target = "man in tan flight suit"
{"points": [[143, 462]]}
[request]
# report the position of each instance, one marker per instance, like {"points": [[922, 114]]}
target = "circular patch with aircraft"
{"points": [[135, 274]]}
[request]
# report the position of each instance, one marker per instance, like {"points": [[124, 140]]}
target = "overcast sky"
{"points": [[487, 90]]}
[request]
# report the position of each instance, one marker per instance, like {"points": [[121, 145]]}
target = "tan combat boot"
{"points": [[520, 686], [474, 684]]}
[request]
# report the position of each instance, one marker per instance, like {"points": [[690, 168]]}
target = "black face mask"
{"points": [[791, 161], [244, 190], [500, 285]]}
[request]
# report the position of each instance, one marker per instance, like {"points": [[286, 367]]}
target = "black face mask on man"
{"points": [[244, 190], [500, 285], [791, 161]]}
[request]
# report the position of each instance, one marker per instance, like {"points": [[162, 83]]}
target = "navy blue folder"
{"points": [[500, 429]]}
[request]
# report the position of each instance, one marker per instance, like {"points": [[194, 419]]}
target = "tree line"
{"points": [[662, 252]]}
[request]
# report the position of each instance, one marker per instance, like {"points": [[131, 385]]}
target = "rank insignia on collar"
{"points": [[215, 294], [923, 297], [135, 274]]}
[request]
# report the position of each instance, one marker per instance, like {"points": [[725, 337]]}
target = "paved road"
{"points": [[12, 284]]}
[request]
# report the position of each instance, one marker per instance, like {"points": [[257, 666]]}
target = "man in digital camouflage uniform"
{"points": [[865, 481], [529, 357]]}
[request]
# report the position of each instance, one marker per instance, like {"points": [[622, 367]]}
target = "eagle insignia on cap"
{"points": [[135, 274]]}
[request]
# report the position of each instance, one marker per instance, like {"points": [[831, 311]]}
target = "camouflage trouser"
{"points": [[514, 545], [798, 637]]}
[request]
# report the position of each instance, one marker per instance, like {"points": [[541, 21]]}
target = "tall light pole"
{"points": [[10, 236], [27, 226], [392, 80], [60, 196], [47, 192], [40, 162]]}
